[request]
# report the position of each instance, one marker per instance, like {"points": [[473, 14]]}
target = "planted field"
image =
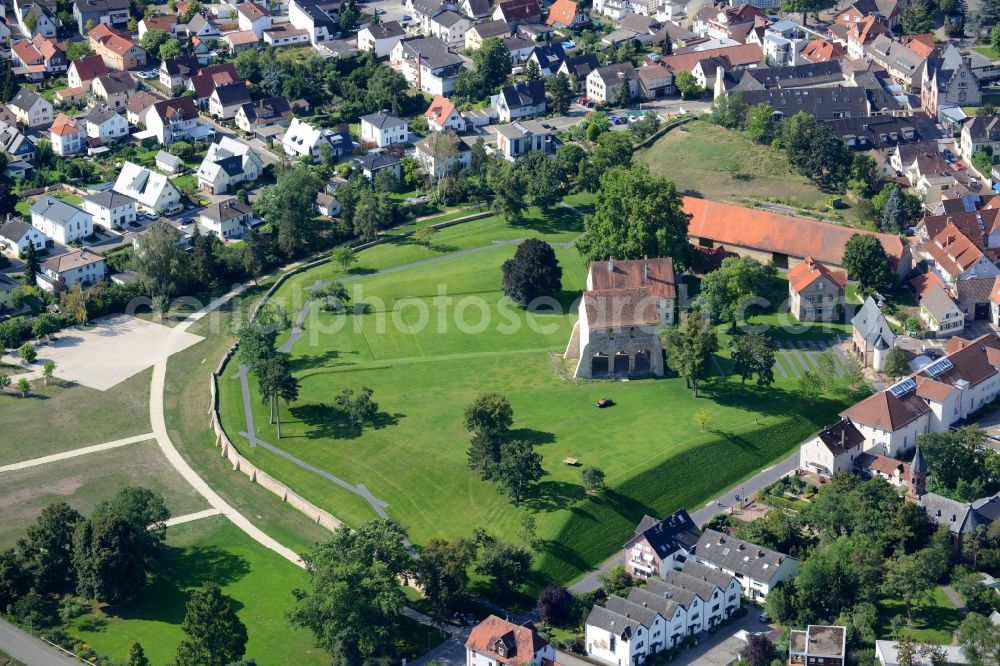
{"points": [[424, 370]]}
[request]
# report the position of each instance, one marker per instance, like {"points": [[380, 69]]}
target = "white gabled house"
{"points": [[68, 270], [302, 139], [229, 219], [110, 209], [758, 569], [17, 235], [104, 124], [228, 163], [380, 39], [307, 15], [60, 221], [152, 191], [30, 109], [383, 129], [253, 16]]}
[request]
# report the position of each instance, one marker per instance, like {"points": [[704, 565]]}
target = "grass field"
{"points": [[85, 481], [260, 582], [935, 621], [414, 456], [212, 549], [74, 416], [707, 160]]}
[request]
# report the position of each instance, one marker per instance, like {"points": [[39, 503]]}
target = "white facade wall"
{"points": [[68, 231], [88, 274], [111, 218]]}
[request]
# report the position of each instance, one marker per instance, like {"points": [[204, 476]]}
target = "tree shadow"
{"points": [[692, 193], [361, 270], [314, 361], [553, 495], [557, 549], [536, 437], [180, 571], [441, 248], [329, 422], [565, 299], [554, 220]]}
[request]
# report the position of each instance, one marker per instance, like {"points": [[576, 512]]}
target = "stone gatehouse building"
{"points": [[624, 305]]}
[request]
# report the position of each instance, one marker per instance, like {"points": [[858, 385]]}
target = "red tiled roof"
{"points": [[520, 643], [868, 29], [90, 67], [759, 229], [995, 294], [562, 12], [744, 54], [165, 23], [657, 275], [922, 45], [922, 283], [103, 31], [64, 125], [27, 53], [439, 110], [809, 270], [953, 250], [242, 37], [932, 389], [889, 466], [822, 50]]}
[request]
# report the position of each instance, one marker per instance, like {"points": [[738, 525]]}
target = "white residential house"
{"points": [[253, 16], [110, 209], [104, 124], [16, 235], [459, 155], [617, 637], [172, 120], [152, 191], [30, 109], [442, 115], [307, 15], [522, 137], [68, 136], [60, 221], [758, 569], [228, 163], [521, 100], [428, 64], [226, 100], [380, 39], [65, 271], [383, 129], [833, 450], [83, 71], [301, 139], [603, 83], [227, 219], [495, 641], [450, 27]]}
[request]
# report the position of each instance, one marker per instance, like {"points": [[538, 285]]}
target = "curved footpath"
{"points": [[159, 424]]}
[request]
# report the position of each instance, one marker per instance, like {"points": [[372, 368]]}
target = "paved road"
{"points": [[700, 516], [26, 648]]}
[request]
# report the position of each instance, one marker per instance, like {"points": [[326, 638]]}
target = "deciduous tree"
{"points": [[442, 572], [866, 262], [488, 418], [109, 557], [593, 479], [689, 348], [520, 466], [533, 271]]}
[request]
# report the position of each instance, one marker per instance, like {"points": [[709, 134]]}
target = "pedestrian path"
{"points": [[34, 462], [191, 517], [793, 358]]}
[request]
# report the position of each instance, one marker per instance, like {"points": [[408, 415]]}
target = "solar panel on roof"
{"points": [[903, 387], [969, 202], [937, 367]]}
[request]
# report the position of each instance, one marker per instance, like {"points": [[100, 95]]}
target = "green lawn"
{"points": [[987, 51], [212, 549], [414, 457], [708, 160], [85, 481], [186, 403], [74, 416], [934, 621]]}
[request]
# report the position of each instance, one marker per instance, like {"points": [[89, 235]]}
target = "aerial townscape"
{"points": [[499, 332]]}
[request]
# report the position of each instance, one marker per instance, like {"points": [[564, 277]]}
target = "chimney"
{"points": [[611, 264], [843, 437], [645, 272]]}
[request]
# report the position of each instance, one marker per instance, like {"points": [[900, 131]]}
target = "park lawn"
{"points": [[186, 401], [211, 549], [74, 416], [935, 621], [86, 481], [987, 51], [414, 456], [704, 159]]}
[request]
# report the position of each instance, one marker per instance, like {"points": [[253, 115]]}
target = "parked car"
{"points": [[150, 216], [405, 17]]}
